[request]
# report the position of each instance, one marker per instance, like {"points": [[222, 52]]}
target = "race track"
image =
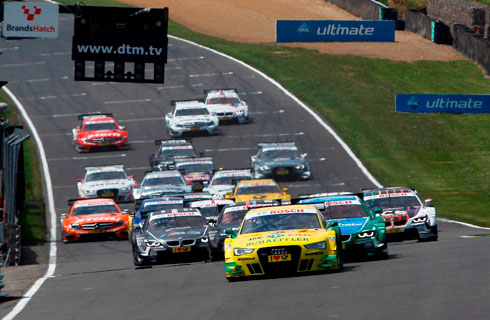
{"points": [[448, 279]]}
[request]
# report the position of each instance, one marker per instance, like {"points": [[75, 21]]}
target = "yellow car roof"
{"points": [[257, 182]]}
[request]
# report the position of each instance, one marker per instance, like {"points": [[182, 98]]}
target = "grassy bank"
{"points": [[444, 156], [32, 219]]}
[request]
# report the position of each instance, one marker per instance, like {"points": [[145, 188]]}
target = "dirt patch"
{"points": [[253, 21]]}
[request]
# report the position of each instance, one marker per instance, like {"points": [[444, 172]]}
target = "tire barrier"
{"points": [[436, 31], [369, 10], [474, 15], [472, 45], [13, 180]]}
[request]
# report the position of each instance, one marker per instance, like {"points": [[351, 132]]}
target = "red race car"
{"points": [[99, 131], [93, 217]]}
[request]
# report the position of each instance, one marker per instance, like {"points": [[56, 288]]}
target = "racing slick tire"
{"points": [[340, 253], [215, 254], [64, 237], [433, 237], [138, 260], [382, 253]]}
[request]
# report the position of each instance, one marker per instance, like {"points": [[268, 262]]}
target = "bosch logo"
{"points": [[30, 16], [279, 251]]}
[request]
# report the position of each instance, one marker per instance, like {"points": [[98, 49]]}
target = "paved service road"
{"points": [[448, 279]]}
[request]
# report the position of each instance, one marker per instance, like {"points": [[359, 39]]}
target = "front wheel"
{"points": [[138, 260]]}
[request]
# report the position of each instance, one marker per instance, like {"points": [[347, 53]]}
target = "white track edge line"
{"points": [[52, 212], [300, 103], [463, 224]]}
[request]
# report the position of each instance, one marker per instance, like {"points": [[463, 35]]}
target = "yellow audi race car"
{"points": [[284, 239], [259, 189]]}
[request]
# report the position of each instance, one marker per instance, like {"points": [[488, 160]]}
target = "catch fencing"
{"points": [[13, 189]]}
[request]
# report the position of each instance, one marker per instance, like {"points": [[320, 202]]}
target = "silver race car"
{"points": [[177, 234], [106, 182], [280, 161], [224, 181], [159, 183], [227, 105], [191, 117]]}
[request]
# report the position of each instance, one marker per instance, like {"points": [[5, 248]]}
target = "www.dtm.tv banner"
{"points": [[334, 31], [447, 103]]}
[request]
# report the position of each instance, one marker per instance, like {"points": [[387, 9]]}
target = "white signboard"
{"points": [[30, 19]]}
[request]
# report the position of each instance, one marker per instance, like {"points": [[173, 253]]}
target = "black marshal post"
{"points": [[120, 44]]}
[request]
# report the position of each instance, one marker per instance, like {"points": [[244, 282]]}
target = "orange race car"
{"points": [[93, 217]]}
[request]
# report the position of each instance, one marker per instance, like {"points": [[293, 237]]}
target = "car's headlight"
{"points": [[75, 226], [366, 234], [152, 243], [86, 140], [120, 223], [317, 245], [126, 188], [180, 125], [263, 168], [300, 166], [242, 251], [204, 239], [210, 123], [89, 191], [419, 220], [239, 112]]}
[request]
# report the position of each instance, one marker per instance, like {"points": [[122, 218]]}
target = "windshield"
{"points": [[221, 181], [163, 206], [195, 167], [107, 208], [176, 222], [209, 211], [110, 175], [191, 112], [223, 100], [344, 211], [254, 189], [152, 182], [280, 153], [177, 152], [277, 222], [93, 126], [235, 217], [392, 202]]}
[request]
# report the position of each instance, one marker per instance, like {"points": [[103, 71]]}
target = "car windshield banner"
{"points": [[30, 19], [446, 103], [334, 31]]}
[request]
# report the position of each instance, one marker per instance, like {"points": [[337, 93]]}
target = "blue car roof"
{"points": [[323, 199]]}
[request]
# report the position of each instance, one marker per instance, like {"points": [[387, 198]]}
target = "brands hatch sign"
{"points": [[30, 20], [334, 31], [444, 103]]}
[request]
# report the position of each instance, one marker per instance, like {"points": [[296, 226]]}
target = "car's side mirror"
{"points": [[130, 213], [136, 185], [377, 211], [79, 180], [231, 232], [285, 189], [64, 216], [429, 202], [304, 155], [169, 115], [331, 224], [122, 127], [228, 195], [131, 176]]}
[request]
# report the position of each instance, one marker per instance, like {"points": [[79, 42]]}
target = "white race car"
{"points": [[161, 183], [227, 105], [210, 209], [106, 182], [224, 181], [404, 213], [189, 117]]}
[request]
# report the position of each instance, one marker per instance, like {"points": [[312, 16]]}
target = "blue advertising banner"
{"points": [[447, 103], [334, 31]]}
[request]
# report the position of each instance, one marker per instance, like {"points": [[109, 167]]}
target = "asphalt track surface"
{"points": [[448, 279]]}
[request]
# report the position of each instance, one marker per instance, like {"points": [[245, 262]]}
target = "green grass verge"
{"points": [[32, 219], [444, 156]]}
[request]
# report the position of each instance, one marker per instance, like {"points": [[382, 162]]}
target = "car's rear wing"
{"points": [[222, 89], [276, 144], [387, 190], [94, 115], [193, 159], [172, 142], [174, 102], [87, 168]]}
